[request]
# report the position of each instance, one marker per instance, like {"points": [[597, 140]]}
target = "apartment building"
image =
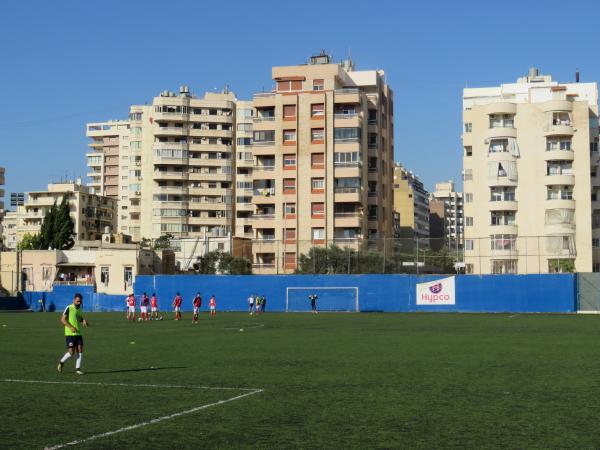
{"points": [[323, 159], [243, 170], [446, 216], [91, 213], [411, 201], [9, 231], [530, 172], [2, 171], [108, 162]]}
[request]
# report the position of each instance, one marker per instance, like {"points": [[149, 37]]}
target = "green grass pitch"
{"points": [[327, 381]]}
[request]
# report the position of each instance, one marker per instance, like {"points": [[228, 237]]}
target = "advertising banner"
{"points": [[439, 292]]}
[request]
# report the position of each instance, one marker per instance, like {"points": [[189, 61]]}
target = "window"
{"points": [[595, 242], [593, 147], [468, 197], [502, 121], [244, 112], [468, 244], [502, 218], [318, 85], [558, 143], [289, 112], [372, 140], [317, 185], [318, 234], [317, 135], [289, 209], [346, 134], [498, 146], [104, 275], [317, 160], [289, 162], [468, 151], [289, 85], [345, 158], [290, 234], [468, 127], [467, 174], [289, 136], [244, 141], [244, 127], [290, 260], [289, 185], [499, 194], [317, 210], [503, 242], [503, 266], [128, 276], [317, 110], [264, 136], [468, 221], [372, 117]]}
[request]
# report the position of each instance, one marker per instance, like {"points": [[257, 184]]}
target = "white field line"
{"points": [[141, 424], [170, 386]]}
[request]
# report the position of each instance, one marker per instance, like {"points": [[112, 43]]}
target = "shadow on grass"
{"points": [[133, 370]]}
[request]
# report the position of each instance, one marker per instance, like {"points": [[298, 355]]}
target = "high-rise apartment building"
{"points": [[530, 172], [2, 171], [446, 216], [243, 170], [411, 201], [323, 161], [92, 213], [109, 166]]}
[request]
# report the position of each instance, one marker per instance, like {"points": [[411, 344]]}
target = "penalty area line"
{"points": [[152, 421], [168, 386]]}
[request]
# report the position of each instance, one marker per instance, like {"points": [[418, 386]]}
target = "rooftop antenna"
{"points": [[577, 75]]}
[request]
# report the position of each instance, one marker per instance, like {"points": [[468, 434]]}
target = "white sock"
{"points": [[78, 362], [64, 358]]}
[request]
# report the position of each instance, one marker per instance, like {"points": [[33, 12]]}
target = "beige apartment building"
{"points": [[9, 230], [2, 171], [530, 172], [411, 201], [323, 160], [243, 170], [92, 213], [446, 216]]}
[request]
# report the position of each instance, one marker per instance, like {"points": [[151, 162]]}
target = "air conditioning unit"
{"points": [[138, 193]]}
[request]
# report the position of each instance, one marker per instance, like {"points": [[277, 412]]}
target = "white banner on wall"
{"points": [[438, 292]]}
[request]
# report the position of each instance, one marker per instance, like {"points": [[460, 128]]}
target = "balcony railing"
{"points": [[264, 119], [264, 166], [348, 214], [263, 143], [264, 192], [347, 91], [345, 115], [263, 216], [346, 190]]}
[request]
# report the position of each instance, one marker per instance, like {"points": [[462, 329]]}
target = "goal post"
{"points": [[340, 299]]}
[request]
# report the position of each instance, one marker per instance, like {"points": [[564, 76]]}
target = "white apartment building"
{"points": [[243, 170], [530, 172], [447, 205]]}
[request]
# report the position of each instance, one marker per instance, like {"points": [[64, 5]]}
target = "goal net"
{"points": [[329, 299]]}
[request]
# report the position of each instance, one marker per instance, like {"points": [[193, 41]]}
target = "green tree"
{"points": [[47, 230], [163, 242], [219, 262], [63, 227], [29, 242]]}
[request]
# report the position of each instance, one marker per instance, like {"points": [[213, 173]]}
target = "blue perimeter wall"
{"points": [[388, 293]]}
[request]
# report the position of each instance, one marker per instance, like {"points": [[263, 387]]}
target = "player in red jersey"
{"points": [[144, 301], [154, 307], [177, 306], [130, 307], [212, 304], [197, 303]]}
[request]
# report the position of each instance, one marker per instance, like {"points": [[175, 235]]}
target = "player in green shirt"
{"points": [[72, 319]]}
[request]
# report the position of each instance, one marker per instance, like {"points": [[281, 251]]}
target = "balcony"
{"points": [[168, 175], [504, 229], [347, 170], [564, 128], [263, 99], [501, 181], [208, 133], [559, 155], [170, 116], [260, 119], [559, 204], [501, 132], [170, 131], [500, 108], [348, 219], [347, 194], [557, 106], [503, 205], [347, 95], [559, 179]]}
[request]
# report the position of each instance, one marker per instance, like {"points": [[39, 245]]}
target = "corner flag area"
{"points": [[299, 380]]}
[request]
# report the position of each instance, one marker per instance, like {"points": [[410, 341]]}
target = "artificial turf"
{"points": [[328, 380]]}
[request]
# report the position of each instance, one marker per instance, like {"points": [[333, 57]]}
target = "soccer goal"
{"points": [[329, 299]]}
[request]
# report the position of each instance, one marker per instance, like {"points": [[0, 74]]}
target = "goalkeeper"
{"points": [[313, 302]]}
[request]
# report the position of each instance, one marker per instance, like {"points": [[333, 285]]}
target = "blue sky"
{"points": [[66, 63]]}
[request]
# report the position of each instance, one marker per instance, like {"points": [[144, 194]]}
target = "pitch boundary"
{"points": [[249, 392]]}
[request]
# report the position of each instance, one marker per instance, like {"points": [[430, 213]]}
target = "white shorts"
{"points": [[154, 309], [196, 310], [143, 309], [212, 308], [132, 309], [176, 309]]}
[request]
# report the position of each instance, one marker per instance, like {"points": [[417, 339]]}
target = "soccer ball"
{"points": [[160, 318], [139, 319]]}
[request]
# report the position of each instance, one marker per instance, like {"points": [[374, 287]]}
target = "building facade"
{"points": [[446, 216], [411, 201], [243, 170], [323, 161], [92, 213], [530, 171]]}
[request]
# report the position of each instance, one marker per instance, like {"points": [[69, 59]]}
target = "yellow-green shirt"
{"points": [[74, 317]]}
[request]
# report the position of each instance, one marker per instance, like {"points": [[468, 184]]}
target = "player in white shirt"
{"points": [[251, 304]]}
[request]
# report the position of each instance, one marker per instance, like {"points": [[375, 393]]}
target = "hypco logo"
{"points": [[436, 288]]}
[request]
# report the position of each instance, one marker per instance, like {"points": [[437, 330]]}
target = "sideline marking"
{"points": [[89, 383], [146, 423]]}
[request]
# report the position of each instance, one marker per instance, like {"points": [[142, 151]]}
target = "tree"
{"points": [[146, 243], [45, 236], [223, 263], [29, 242], [63, 227], [163, 242]]}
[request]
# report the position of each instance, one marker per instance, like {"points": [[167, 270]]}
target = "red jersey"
{"points": [[197, 301], [154, 302], [213, 302], [131, 300], [177, 301]]}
